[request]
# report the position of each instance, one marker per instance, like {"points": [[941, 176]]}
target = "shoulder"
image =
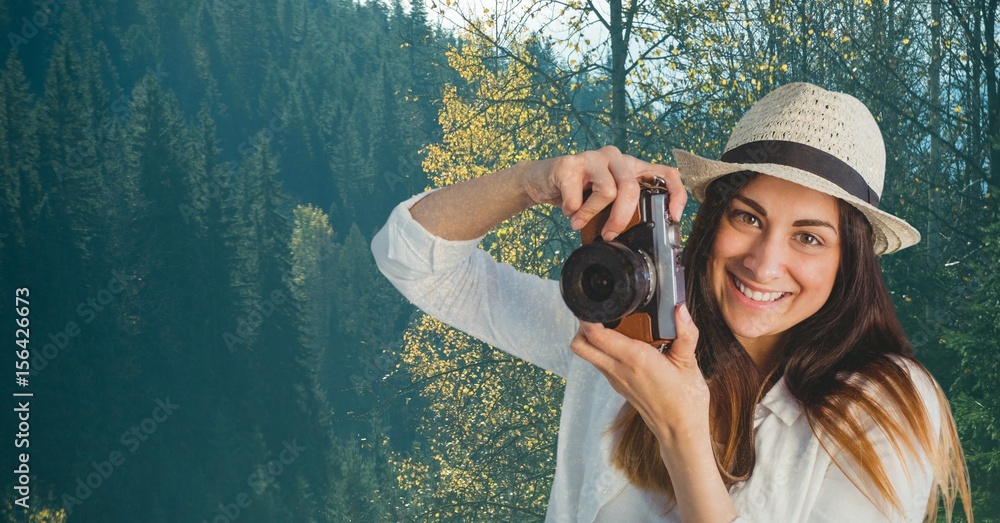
{"points": [[924, 383], [894, 389], [890, 371], [893, 378], [889, 434]]}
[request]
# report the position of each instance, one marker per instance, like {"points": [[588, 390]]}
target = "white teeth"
{"points": [[757, 295]]}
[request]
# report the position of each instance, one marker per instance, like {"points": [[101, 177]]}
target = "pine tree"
{"points": [[71, 135], [287, 390], [313, 254], [363, 488], [973, 304], [353, 172], [70, 261], [149, 307], [20, 189], [367, 315]]}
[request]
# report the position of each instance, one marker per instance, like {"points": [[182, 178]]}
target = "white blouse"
{"points": [[524, 315]]}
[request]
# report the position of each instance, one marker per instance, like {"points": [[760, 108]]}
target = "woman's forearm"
{"points": [[701, 494], [470, 209]]}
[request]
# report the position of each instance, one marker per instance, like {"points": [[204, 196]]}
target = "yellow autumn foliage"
{"points": [[692, 69], [488, 433]]}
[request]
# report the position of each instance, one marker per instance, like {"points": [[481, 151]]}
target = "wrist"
{"points": [[685, 445], [698, 485], [521, 171], [527, 176]]}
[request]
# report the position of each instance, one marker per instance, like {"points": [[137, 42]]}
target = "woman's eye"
{"points": [[747, 218], [809, 239]]}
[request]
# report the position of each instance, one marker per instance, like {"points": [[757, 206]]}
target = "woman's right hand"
{"points": [[612, 177]]}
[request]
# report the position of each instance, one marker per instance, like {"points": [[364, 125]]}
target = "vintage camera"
{"points": [[633, 283]]}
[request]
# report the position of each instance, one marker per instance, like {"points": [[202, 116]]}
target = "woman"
{"points": [[790, 393]]}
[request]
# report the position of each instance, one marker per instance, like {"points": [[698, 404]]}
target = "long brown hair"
{"points": [[844, 360]]}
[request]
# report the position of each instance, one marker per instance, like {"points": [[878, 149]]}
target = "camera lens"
{"points": [[598, 283], [605, 281]]}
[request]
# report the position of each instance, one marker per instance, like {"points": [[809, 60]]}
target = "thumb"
{"points": [[682, 349]]}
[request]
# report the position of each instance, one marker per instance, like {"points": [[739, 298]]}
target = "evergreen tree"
{"points": [[313, 254], [976, 339], [151, 313], [279, 363], [126, 190], [353, 172], [70, 262], [70, 136], [364, 486], [20, 189]]}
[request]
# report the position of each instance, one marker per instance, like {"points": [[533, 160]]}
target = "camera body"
{"points": [[633, 283]]}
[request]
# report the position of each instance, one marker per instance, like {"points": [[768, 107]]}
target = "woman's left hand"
{"points": [[670, 393], [668, 389]]}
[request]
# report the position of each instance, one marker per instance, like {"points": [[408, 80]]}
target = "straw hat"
{"points": [[820, 139]]}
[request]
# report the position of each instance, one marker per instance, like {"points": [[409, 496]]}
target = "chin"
{"points": [[750, 332]]}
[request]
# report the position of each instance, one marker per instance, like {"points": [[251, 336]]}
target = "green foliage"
{"points": [[215, 300], [976, 340], [486, 441], [184, 150], [364, 486], [693, 69], [18, 155], [312, 250]]}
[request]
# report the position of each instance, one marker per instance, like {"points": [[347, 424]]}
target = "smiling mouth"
{"points": [[758, 296]]}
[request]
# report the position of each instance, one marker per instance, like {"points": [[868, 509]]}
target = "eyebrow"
{"points": [[798, 223]]}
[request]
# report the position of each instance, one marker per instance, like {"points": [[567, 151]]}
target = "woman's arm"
{"points": [[472, 208], [428, 250], [460, 284]]}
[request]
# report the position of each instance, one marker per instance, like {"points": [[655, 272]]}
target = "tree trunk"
{"points": [[992, 90], [934, 177], [619, 52]]}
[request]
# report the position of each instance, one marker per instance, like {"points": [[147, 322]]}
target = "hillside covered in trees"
{"points": [[190, 188], [187, 193]]}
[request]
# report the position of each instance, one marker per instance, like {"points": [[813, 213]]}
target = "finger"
{"points": [[582, 347], [619, 347], [627, 199], [604, 189], [675, 188], [570, 191], [597, 356], [678, 195], [682, 349]]}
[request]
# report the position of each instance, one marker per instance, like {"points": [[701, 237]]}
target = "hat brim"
{"points": [[891, 233]]}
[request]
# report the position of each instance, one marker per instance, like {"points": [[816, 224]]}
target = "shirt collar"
{"points": [[781, 403]]}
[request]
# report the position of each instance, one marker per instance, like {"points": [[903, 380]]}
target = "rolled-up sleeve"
{"points": [[463, 286]]}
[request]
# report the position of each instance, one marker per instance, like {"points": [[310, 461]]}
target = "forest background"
{"points": [[190, 188]]}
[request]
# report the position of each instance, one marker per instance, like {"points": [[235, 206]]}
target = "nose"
{"points": [[766, 258]]}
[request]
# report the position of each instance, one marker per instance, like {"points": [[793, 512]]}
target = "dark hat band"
{"points": [[806, 158]]}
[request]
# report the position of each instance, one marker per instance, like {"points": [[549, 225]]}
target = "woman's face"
{"points": [[774, 259]]}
